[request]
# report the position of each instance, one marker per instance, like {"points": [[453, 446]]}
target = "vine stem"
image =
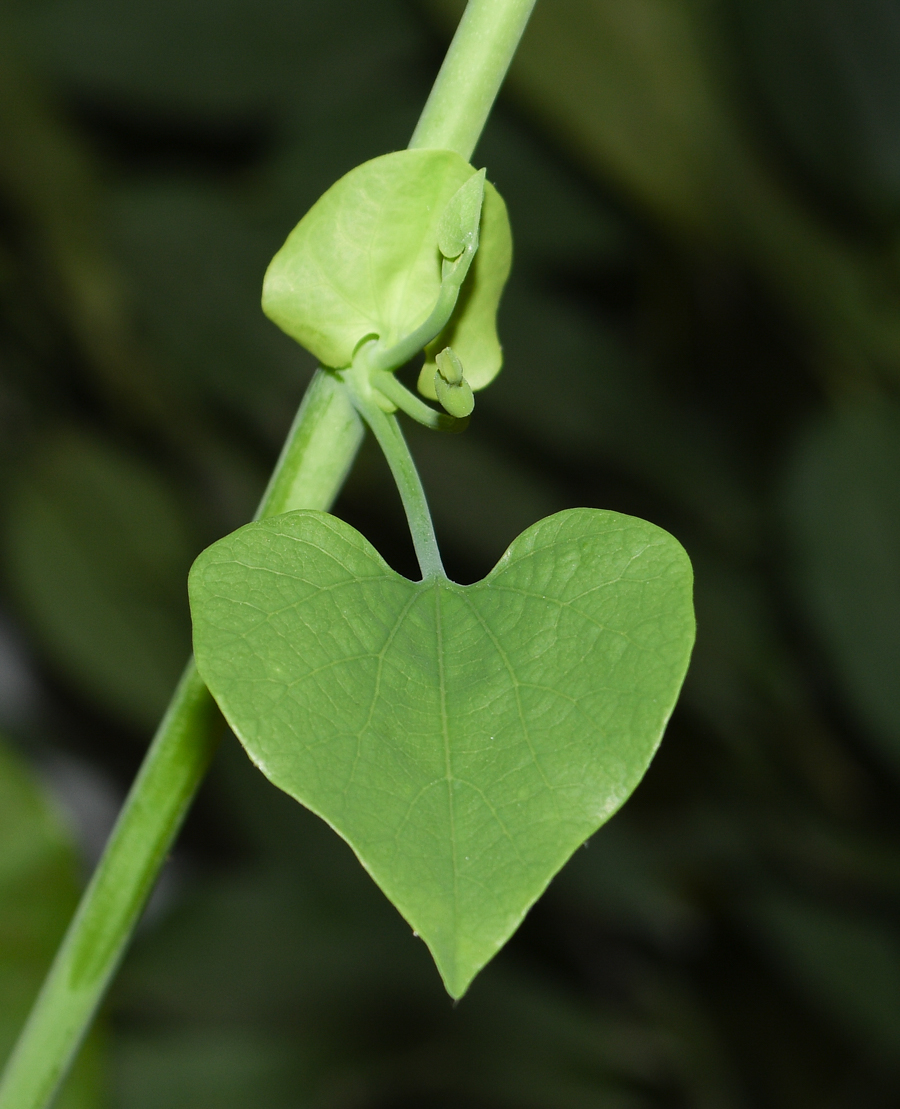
{"points": [[319, 452], [320, 449], [470, 78]]}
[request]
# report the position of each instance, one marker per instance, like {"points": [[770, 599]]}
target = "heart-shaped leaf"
{"points": [[365, 260], [464, 740]]}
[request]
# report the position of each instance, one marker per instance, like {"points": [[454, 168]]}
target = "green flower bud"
{"points": [[449, 366]]}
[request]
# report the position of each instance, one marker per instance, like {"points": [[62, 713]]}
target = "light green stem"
{"points": [[394, 357], [397, 393], [320, 450], [470, 78], [409, 347], [390, 438], [160, 797]]}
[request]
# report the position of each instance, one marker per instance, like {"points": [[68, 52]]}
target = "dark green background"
{"points": [[702, 328]]}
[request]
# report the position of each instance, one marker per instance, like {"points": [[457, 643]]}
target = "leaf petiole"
{"points": [[397, 393], [387, 432], [452, 276]]}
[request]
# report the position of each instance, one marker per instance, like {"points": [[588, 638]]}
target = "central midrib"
{"points": [[448, 764]]}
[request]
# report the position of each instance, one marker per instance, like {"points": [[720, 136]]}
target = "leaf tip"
{"points": [[458, 229]]}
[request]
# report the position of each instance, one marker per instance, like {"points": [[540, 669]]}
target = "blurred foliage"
{"points": [[842, 501], [98, 549], [702, 328], [38, 893]]}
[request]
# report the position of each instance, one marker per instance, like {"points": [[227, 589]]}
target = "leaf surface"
{"points": [[464, 740]]}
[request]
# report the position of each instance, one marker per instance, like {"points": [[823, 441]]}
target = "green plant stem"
{"points": [[320, 450], [410, 346], [161, 794], [387, 431], [397, 393], [470, 78], [395, 357]]}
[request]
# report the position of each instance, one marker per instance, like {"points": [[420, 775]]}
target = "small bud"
{"points": [[449, 366], [457, 400]]}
